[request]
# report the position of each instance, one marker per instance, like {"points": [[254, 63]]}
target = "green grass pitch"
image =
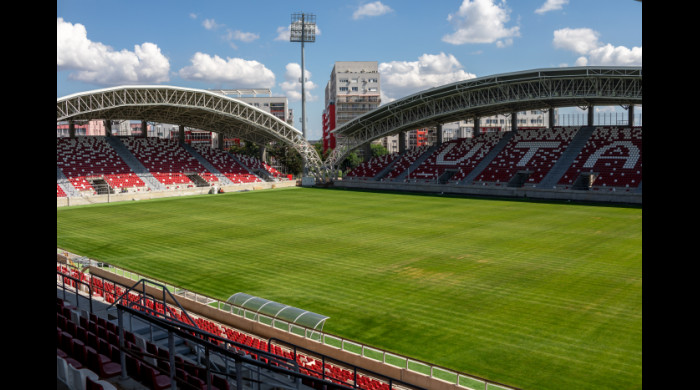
{"points": [[532, 294]]}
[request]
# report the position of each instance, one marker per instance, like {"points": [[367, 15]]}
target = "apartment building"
{"points": [[353, 89]]}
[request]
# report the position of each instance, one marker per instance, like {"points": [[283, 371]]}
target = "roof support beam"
{"points": [[204, 110], [492, 95]]}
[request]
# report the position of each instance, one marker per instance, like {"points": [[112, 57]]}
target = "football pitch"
{"points": [[534, 295]]}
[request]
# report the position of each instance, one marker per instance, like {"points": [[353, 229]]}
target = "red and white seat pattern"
{"points": [[615, 153], [168, 161], [308, 364], [253, 163], [84, 157], [535, 150], [406, 161], [227, 165], [461, 154], [370, 169]]}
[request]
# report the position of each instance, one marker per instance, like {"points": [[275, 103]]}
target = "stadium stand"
{"points": [[89, 158], [604, 159], [257, 166], [369, 169], [531, 153], [90, 344], [612, 159], [226, 164], [405, 161], [454, 159], [168, 161]]}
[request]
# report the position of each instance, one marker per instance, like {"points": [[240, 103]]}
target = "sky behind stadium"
{"points": [[417, 44]]}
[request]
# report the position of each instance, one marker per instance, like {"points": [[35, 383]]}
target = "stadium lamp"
{"points": [[303, 29]]}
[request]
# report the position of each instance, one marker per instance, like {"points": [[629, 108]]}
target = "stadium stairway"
{"points": [[264, 175], [153, 342], [487, 159], [416, 163], [134, 164], [223, 180], [65, 184], [150, 340], [387, 169], [564, 162]]}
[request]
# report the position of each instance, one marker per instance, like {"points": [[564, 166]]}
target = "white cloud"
{"points": [[237, 35], [402, 78], [231, 35], [292, 86], [210, 24], [481, 21], [371, 9], [578, 40], [584, 41], [551, 5], [234, 72], [620, 55], [96, 63]]}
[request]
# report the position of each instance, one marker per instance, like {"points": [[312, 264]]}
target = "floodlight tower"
{"points": [[303, 29]]}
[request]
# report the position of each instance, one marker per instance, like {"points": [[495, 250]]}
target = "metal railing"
{"points": [[396, 360], [133, 300]]}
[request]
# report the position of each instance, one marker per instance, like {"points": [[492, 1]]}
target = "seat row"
{"points": [[462, 155], [613, 153], [371, 168], [108, 331], [87, 157], [169, 162], [226, 164], [95, 340]]}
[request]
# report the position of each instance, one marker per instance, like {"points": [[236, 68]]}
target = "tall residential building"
{"points": [[353, 89]]}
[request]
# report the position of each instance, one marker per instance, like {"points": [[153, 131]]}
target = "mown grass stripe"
{"points": [[533, 294]]}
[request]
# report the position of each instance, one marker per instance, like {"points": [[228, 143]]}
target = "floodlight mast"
{"points": [[303, 29]]}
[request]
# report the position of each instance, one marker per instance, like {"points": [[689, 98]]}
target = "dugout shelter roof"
{"points": [[278, 310]]}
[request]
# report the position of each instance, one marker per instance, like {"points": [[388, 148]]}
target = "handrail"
{"points": [[122, 302], [154, 312], [430, 370]]}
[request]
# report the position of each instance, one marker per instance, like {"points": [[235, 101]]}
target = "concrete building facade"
{"points": [[354, 88]]}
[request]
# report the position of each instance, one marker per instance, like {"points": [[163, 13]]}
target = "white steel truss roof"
{"points": [[200, 109], [540, 89]]}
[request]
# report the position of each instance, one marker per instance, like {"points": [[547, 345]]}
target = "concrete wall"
{"points": [[618, 197], [134, 196]]}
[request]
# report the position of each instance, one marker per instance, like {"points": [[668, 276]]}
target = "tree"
{"points": [[319, 149], [247, 149], [378, 150], [351, 161], [287, 157]]}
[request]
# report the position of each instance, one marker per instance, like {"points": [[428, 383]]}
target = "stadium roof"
{"points": [[200, 109], [540, 89]]}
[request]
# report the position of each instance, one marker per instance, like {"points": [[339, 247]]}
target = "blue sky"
{"points": [[418, 44]]}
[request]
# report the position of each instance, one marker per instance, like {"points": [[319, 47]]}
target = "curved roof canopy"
{"points": [[194, 108], [278, 310], [540, 89]]}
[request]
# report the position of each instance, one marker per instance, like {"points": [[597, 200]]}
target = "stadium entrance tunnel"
{"points": [[278, 311]]}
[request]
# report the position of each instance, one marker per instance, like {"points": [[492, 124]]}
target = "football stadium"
{"points": [[508, 260]]}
